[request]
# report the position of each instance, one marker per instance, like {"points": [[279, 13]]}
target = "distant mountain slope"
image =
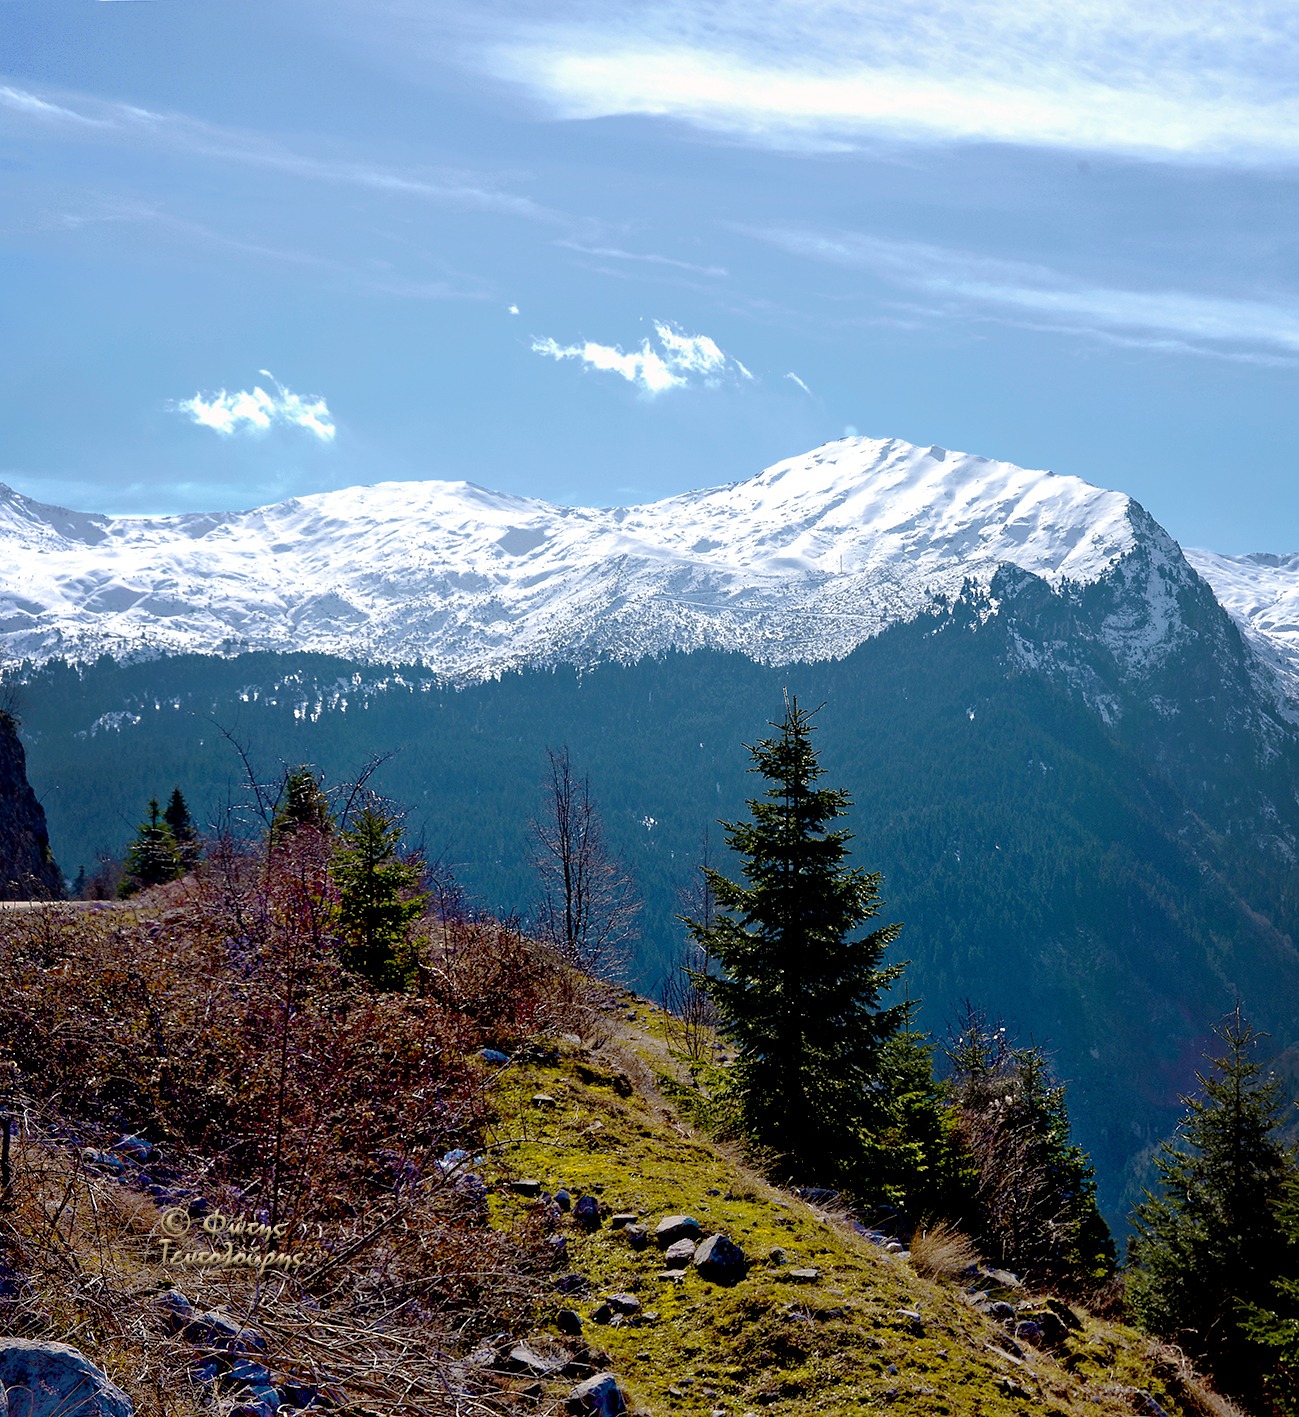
{"points": [[804, 561], [1261, 593]]}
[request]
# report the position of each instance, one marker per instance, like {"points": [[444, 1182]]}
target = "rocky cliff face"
{"points": [[27, 869]]}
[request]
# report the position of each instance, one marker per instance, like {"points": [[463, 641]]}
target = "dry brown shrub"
{"points": [[942, 1252], [1192, 1389], [213, 1017]]}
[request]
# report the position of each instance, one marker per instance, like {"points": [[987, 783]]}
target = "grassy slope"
{"points": [[837, 1346]]}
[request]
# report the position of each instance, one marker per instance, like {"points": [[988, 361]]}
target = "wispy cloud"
{"points": [[1171, 319], [1158, 77], [258, 412], [614, 253], [129, 124], [678, 360], [795, 379]]}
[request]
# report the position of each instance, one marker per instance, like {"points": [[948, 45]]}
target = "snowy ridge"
{"points": [[1260, 591], [804, 561]]}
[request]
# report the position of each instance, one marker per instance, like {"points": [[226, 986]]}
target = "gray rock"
{"points": [[587, 1212], [527, 1188], [544, 1101], [569, 1322], [55, 1380], [676, 1227], [778, 1257], [622, 1219], [679, 1254], [135, 1147], [721, 1261], [522, 1359], [623, 1303], [1000, 1310], [803, 1276], [637, 1236], [563, 1200], [214, 1328], [598, 1396]]}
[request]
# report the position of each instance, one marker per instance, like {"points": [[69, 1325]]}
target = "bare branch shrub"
{"points": [[588, 906]]}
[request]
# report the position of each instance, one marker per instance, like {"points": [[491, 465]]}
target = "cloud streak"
{"points": [[678, 360], [257, 412], [1171, 319], [1156, 78], [128, 124]]}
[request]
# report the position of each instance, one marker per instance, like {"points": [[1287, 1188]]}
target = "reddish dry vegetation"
{"points": [[212, 1016]]}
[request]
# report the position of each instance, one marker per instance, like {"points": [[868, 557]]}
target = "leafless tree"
{"points": [[689, 1011], [588, 904]]}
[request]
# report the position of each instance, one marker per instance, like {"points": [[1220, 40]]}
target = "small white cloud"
{"points": [[514, 309], [800, 383], [258, 412], [680, 359]]}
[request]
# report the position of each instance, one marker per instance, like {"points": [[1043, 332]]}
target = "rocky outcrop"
{"points": [[54, 1380], [27, 869]]}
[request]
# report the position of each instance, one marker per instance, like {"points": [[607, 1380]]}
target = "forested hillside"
{"points": [[1078, 849]]}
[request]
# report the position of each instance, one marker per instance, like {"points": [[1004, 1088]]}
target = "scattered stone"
{"points": [[206, 1372], [637, 1236], [914, 1319], [671, 1276], [601, 1314], [623, 1303], [679, 1254], [522, 1359], [893, 1247], [571, 1039], [778, 1257], [713, 1191], [1029, 1332], [136, 1148], [544, 1101], [103, 1160], [1051, 1330], [214, 1328], [677, 1227], [1064, 1313], [1000, 1310], [563, 1200], [1002, 1278], [245, 1373], [721, 1261], [1146, 1404], [58, 1381], [573, 1284], [803, 1276], [598, 1396], [568, 1321], [622, 1219], [299, 1394], [527, 1188], [493, 1055], [587, 1212]]}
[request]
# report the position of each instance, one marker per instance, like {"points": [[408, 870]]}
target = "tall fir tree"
{"points": [[153, 858], [182, 827], [378, 900], [1209, 1249], [798, 994]]}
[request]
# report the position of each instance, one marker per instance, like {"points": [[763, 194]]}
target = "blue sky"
{"points": [[604, 253]]}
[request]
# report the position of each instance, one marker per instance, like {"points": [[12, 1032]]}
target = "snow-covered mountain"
{"points": [[804, 561]]}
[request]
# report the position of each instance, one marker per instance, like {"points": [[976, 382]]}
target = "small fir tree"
{"points": [[1210, 1247], [182, 827], [378, 900], [153, 857], [799, 995]]}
